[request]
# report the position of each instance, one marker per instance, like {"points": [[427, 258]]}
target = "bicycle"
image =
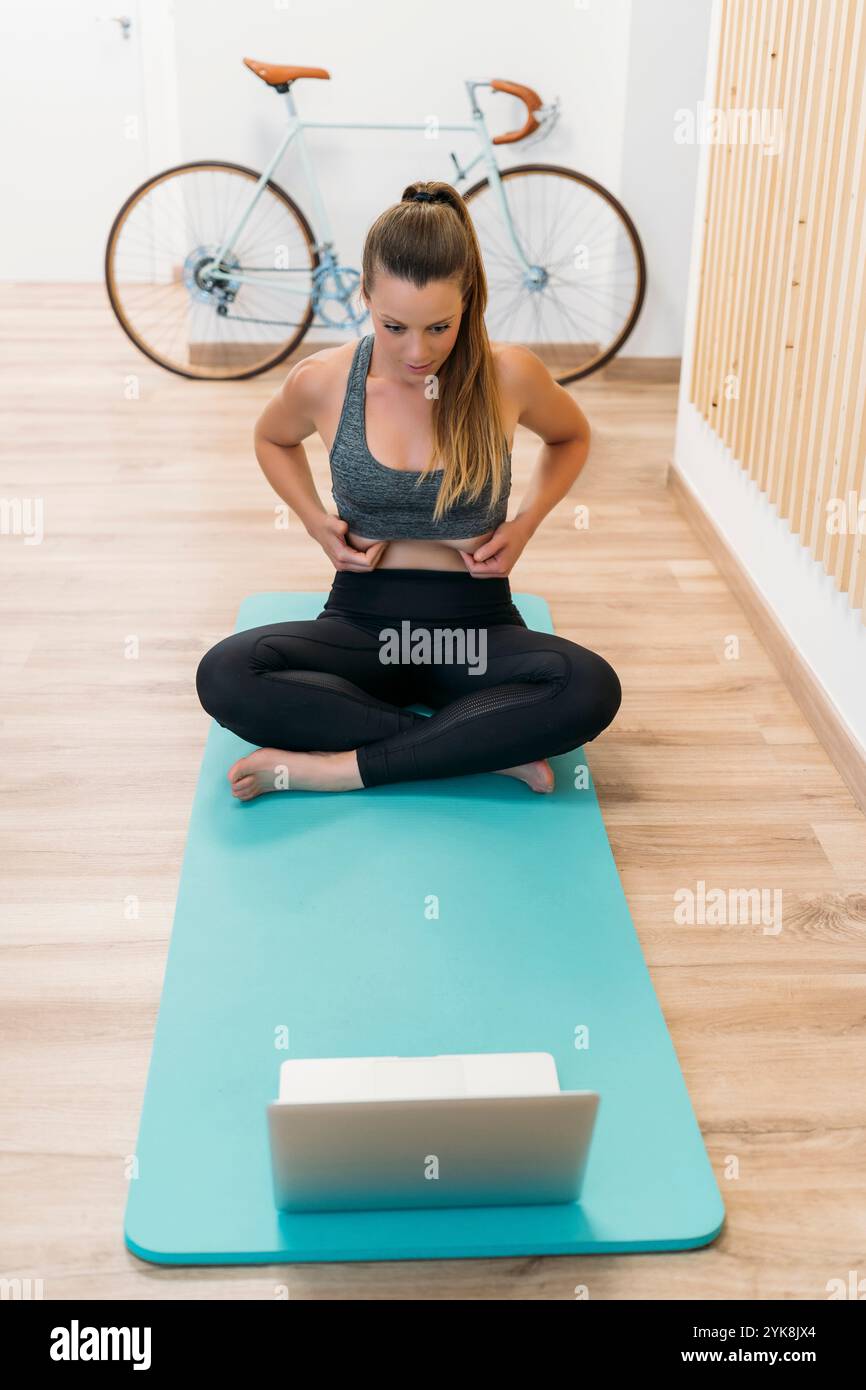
{"points": [[200, 258]]}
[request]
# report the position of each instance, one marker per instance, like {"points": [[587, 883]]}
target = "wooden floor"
{"points": [[157, 522]]}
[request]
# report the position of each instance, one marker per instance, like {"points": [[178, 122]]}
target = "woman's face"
{"points": [[415, 328]]}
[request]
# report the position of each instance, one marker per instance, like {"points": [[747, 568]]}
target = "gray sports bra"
{"points": [[384, 503]]}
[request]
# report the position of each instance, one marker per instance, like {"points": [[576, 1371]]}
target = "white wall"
{"points": [[819, 620], [668, 41], [620, 68]]}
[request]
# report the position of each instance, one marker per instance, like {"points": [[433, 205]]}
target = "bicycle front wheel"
{"points": [[581, 296], [156, 260]]}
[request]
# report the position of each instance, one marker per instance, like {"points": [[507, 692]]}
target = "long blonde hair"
{"points": [[420, 241]]}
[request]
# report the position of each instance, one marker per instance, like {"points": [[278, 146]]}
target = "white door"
{"points": [[75, 139]]}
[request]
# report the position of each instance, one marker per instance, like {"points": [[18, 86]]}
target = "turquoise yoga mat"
{"points": [[304, 918]]}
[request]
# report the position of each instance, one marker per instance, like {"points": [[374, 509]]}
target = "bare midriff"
{"points": [[422, 555]]}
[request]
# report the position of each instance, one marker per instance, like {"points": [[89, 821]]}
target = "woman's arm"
{"points": [[286, 420], [550, 412]]}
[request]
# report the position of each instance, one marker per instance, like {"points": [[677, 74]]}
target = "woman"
{"points": [[420, 553]]}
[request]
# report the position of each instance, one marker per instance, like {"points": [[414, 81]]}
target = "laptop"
{"points": [[474, 1129]]}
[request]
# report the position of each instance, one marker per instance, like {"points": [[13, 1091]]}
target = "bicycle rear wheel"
{"points": [[588, 279], [157, 249]]}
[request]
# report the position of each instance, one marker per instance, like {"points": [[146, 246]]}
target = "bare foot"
{"points": [[276, 769], [538, 775]]}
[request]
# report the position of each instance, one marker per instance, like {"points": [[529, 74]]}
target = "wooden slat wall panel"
{"points": [[759, 431], [779, 361]]}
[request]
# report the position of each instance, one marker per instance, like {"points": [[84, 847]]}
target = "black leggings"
{"points": [[503, 695]]}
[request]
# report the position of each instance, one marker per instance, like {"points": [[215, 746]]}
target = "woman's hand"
{"points": [[329, 532], [498, 556]]}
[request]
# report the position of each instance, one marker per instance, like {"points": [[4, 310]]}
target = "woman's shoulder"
{"points": [[516, 364], [318, 380], [535, 396], [317, 372], [519, 372]]}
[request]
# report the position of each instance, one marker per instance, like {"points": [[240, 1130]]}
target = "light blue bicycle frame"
{"points": [[329, 263]]}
